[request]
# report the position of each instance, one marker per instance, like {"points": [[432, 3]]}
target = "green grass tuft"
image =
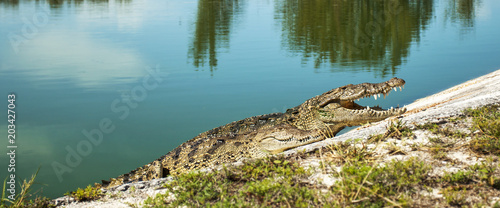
{"points": [[272, 182], [88, 194], [398, 130], [368, 185], [486, 121], [22, 198]]}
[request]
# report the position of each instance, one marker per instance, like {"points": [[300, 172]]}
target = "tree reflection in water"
{"points": [[375, 35]]}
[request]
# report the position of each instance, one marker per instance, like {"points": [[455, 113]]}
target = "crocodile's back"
{"points": [[221, 145], [224, 144]]}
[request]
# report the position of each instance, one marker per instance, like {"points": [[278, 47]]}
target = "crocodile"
{"points": [[314, 120]]}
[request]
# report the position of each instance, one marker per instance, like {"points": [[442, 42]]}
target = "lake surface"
{"points": [[141, 77]]}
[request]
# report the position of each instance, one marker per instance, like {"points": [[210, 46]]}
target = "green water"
{"points": [[141, 77]]}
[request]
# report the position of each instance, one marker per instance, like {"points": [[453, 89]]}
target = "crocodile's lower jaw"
{"points": [[275, 146]]}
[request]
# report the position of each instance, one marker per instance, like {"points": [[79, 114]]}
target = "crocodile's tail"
{"points": [[147, 172]]}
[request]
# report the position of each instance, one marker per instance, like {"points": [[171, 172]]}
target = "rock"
{"points": [[123, 187], [65, 200]]}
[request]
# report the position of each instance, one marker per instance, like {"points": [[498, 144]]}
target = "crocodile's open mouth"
{"points": [[376, 93], [350, 104]]}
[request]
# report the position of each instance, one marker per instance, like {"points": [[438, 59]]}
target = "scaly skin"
{"points": [[314, 120]]}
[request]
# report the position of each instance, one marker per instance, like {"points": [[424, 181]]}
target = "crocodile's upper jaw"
{"points": [[354, 92]]}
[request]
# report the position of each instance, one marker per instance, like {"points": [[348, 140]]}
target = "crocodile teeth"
{"points": [[375, 96], [400, 89]]}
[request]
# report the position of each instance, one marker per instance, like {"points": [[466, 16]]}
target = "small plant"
{"points": [[436, 140], [132, 189], [39, 201], [438, 152], [485, 145], [485, 171], [436, 129], [377, 138], [486, 120], [432, 127], [88, 194], [398, 129], [440, 146], [21, 199], [349, 152], [455, 197], [368, 185], [394, 149], [459, 177], [440, 155]]}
